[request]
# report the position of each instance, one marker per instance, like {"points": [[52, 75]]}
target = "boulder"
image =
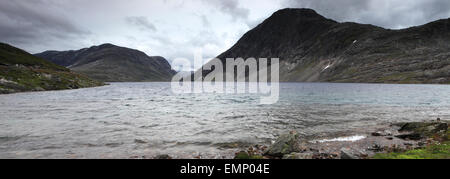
{"points": [[285, 144], [347, 153], [376, 134], [411, 136], [424, 127], [382, 133], [165, 156], [376, 148], [421, 130]]}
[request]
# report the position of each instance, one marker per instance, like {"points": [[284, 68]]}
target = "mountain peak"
{"points": [[108, 62], [294, 17], [313, 48], [304, 11], [291, 13], [107, 45]]}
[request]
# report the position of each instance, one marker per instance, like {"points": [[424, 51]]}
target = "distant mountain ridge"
{"points": [[312, 48], [21, 72], [112, 63]]}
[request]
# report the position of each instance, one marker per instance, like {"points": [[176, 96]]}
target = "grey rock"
{"points": [[165, 156], [376, 134], [376, 148], [411, 136], [347, 153], [382, 133], [139, 141], [424, 127], [421, 130], [285, 144]]}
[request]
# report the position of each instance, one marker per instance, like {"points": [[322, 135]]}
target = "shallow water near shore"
{"points": [[126, 120]]}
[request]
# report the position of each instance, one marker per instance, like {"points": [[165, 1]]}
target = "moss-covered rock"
{"points": [[244, 155], [420, 130], [299, 156], [435, 151], [437, 136], [285, 144]]}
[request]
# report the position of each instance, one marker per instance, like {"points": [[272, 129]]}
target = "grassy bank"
{"points": [[439, 150], [21, 72], [435, 151]]}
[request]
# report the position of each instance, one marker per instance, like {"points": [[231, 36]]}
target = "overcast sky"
{"points": [[175, 28]]}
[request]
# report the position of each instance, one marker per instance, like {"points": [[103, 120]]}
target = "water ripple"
{"points": [[146, 118]]}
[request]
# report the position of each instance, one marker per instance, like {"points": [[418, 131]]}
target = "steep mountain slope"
{"points": [[312, 48], [21, 71], [112, 63]]}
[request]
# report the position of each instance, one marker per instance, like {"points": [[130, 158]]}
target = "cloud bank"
{"points": [[394, 14]]}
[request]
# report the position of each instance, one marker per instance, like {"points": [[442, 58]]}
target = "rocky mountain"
{"points": [[312, 48], [112, 63], [21, 71]]}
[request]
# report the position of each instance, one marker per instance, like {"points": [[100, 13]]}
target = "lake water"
{"points": [[126, 120]]}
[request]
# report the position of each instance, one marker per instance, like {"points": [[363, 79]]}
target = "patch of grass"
{"points": [[30, 79], [436, 151], [245, 155], [21, 71]]}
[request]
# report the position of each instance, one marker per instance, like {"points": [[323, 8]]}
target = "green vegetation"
{"points": [[440, 150], [21, 71], [436, 151], [244, 155], [10, 55]]}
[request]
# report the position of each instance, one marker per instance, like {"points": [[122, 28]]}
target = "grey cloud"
{"points": [[142, 22], [337, 9], [385, 13], [204, 37], [26, 22], [205, 21], [253, 23], [230, 7]]}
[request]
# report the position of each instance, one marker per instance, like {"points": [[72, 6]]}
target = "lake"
{"points": [[127, 120]]}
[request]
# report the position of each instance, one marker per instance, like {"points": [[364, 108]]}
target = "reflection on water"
{"points": [[145, 119]]}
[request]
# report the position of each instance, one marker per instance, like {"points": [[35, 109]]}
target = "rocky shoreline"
{"points": [[396, 137], [427, 139]]}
